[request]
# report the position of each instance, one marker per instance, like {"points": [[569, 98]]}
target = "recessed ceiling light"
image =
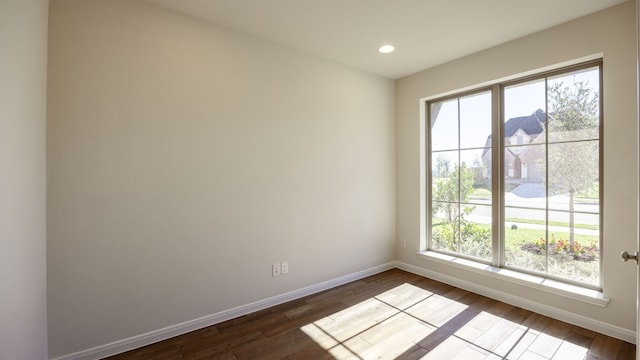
{"points": [[386, 49]]}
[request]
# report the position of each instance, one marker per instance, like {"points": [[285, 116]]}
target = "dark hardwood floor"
{"points": [[391, 315]]}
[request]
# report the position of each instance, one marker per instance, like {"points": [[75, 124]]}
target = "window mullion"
{"points": [[546, 176], [459, 200], [496, 177]]}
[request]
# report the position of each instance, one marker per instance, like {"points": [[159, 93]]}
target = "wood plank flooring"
{"points": [[391, 315]]}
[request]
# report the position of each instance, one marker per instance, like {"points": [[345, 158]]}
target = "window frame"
{"points": [[498, 259]]}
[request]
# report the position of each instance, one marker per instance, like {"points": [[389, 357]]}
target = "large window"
{"points": [[515, 175]]}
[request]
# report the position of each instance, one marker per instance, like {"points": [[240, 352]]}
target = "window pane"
{"points": [[475, 121], [444, 230], [573, 173], [524, 106], [460, 179], [444, 125], [444, 176], [574, 106], [525, 239], [574, 250], [524, 153], [524, 181], [485, 163], [476, 176], [475, 231]]}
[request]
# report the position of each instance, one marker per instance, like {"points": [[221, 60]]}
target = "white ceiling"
{"points": [[425, 33]]}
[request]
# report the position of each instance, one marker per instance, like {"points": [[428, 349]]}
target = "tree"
{"points": [[457, 233], [442, 167], [457, 186], [479, 171], [572, 130]]}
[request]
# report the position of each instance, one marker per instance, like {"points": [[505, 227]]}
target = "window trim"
{"points": [[536, 282], [497, 181]]}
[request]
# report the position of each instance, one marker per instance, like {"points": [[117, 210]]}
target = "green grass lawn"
{"points": [[517, 238], [552, 223]]}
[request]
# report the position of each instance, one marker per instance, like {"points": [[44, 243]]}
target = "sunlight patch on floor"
{"points": [[410, 320], [381, 327]]}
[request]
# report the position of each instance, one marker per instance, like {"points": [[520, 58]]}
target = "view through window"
{"points": [[516, 172]]}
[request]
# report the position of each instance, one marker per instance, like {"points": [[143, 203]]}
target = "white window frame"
{"points": [[497, 264]]}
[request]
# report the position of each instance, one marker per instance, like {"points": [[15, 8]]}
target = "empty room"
{"points": [[223, 179]]}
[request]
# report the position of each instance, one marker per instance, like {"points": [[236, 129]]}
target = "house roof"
{"points": [[532, 124]]}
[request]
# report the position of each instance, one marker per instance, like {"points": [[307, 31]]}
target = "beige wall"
{"points": [[610, 33], [184, 159], [23, 59]]}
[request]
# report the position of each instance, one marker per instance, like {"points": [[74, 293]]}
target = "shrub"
{"points": [[561, 248]]}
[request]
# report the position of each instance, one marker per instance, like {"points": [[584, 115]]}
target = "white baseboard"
{"points": [[141, 340], [195, 324], [566, 316]]}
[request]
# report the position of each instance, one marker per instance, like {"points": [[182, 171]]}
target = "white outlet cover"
{"points": [[285, 267], [275, 269]]}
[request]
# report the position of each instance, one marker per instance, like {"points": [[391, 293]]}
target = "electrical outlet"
{"points": [[403, 243], [275, 269], [285, 267]]}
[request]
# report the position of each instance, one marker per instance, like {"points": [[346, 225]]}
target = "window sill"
{"points": [[589, 296]]}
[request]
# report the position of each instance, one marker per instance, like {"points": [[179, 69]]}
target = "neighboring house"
{"points": [[522, 136]]}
